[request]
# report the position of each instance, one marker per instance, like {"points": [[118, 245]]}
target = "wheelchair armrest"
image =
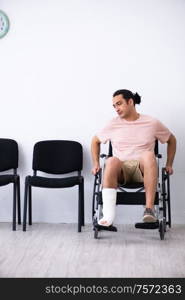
{"points": [[164, 170], [98, 173], [98, 176], [165, 174]]}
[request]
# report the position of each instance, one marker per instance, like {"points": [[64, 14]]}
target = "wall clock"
{"points": [[4, 24]]}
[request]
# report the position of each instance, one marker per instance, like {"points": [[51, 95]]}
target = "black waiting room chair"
{"points": [[57, 157], [9, 161]]}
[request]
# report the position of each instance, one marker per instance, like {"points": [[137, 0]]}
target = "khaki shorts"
{"points": [[131, 172]]}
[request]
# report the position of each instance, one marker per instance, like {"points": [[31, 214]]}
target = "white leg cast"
{"points": [[109, 206]]}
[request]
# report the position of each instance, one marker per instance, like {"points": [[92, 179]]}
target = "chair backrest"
{"points": [[57, 156], [156, 149], [8, 154]]}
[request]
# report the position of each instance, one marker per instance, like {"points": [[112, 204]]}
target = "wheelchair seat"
{"points": [[132, 185]]}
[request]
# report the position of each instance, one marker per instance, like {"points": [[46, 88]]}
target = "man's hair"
{"points": [[128, 95]]}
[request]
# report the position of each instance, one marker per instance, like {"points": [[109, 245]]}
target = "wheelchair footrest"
{"points": [[108, 228], [145, 225]]}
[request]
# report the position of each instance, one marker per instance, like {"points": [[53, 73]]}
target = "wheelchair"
{"points": [[134, 194]]}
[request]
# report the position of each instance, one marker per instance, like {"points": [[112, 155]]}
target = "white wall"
{"points": [[60, 63]]}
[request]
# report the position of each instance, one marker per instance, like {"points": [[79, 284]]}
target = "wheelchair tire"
{"points": [[95, 232], [164, 220], [161, 229]]}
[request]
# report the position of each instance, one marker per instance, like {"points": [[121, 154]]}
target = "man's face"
{"points": [[122, 107]]}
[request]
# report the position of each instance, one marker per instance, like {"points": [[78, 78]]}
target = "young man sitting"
{"points": [[133, 137]]}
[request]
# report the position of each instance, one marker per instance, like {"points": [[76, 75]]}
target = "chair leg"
{"points": [[83, 216], [14, 207], [30, 204], [18, 201], [79, 207], [25, 204]]}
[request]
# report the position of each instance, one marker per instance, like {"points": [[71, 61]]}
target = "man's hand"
{"points": [[95, 150], [95, 169], [171, 149], [169, 169]]}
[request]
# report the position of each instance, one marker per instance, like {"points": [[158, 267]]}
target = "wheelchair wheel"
{"points": [[95, 232], [161, 229], [164, 225], [95, 228]]}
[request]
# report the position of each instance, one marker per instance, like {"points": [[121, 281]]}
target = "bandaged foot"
{"points": [[109, 206]]}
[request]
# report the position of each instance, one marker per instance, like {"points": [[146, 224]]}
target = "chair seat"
{"points": [[46, 182], [6, 179]]}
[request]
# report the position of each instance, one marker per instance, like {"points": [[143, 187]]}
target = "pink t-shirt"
{"points": [[131, 138]]}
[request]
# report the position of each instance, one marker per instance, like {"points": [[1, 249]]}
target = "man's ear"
{"points": [[131, 101]]}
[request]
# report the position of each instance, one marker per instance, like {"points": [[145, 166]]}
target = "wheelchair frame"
{"points": [[137, 197]]}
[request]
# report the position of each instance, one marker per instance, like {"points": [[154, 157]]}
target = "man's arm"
{"points": [[171, 149], [95, 151]]}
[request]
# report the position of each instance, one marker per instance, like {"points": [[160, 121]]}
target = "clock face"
{"points": [[4, 24]]}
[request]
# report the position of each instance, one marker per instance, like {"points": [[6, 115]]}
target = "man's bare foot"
{"points": [[104, 222]]}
